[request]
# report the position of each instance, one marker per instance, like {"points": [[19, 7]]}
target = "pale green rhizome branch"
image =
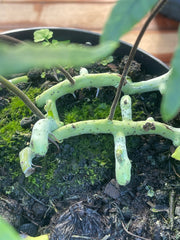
{"points": [[119, 130]]}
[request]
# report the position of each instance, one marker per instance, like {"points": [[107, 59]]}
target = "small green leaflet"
{"points": [[7, 232], [125, 14], [21, 58], [170, 105], [42, 35]]}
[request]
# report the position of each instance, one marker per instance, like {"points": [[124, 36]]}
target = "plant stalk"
{"points": [[67, 75], [9, 39], [128, 128], [100, 80], [131, 57], [119, 129], [22, 96]]}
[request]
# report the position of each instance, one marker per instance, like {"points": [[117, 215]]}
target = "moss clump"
{"points": [[83, 163], [11, 115], [13, 137], [89, 110]]}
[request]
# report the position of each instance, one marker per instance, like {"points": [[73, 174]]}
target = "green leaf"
{"points": [[170, 105], [125, 14], [42, 35], [21, 58], [176, 154], [41, 237], [7, 232]]}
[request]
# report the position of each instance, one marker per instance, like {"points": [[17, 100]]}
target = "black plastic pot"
{"points": [[149, 63]]}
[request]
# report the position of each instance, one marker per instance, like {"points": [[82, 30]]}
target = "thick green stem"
{"points": [[51, 110], [87, 80], [22, 79], [40, 134], [154, 84], [119, 129], [126, 109], [122, 162], [82, 81], [112, 127], [97, 81], [26, 156], [38, 144]]}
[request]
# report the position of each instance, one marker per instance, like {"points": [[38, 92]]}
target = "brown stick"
{"points": [[22, 96], [131, 56], [9, 39], [132, 234], [67, 75]]}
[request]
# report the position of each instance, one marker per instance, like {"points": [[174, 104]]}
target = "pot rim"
{"points": [[95, 34]]}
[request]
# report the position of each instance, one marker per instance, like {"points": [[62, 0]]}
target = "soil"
{"points": [[74, 195]]}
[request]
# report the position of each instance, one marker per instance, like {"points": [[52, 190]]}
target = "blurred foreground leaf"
{"points": [[125, 14], [171, 99], [7, 232], [20, 58]]}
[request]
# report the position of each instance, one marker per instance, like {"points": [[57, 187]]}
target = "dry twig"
{"points": [[132, 234]]}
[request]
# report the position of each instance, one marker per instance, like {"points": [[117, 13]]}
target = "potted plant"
{"points": [[50, 128]]}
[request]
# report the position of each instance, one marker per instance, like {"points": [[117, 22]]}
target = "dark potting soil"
{"points": [[74, 195]]}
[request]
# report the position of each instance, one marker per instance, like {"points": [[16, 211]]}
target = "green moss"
{"points": [[83, 162], [89, 110], [138, 111], [11, 115], [13, 137]]}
